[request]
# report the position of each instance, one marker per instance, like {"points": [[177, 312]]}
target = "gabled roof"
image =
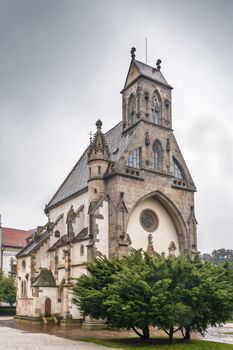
{"points": [[12, 237], [45, 279], [61, 242], [34, 245], [146, 71], [82, 235], [78, 177]]}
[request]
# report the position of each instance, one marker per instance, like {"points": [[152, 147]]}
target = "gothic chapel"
{"points": [[131, 188]]}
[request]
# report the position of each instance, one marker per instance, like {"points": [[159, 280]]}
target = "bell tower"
{"points": [[146, 95]]}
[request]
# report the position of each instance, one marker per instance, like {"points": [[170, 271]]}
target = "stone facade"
{"points": [[130, 189]]}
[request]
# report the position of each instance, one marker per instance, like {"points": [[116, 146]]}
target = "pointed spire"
{"points": [[98, 143]]}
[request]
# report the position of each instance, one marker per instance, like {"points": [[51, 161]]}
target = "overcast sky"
{"points": [[62, 66]]}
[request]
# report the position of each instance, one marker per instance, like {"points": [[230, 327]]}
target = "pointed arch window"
{"points": [[177, 170], [132, 110], [157, 156], [134, 159], [156, 108]]}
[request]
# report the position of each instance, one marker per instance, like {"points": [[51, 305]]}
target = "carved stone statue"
{"points": [[150, 250], [69, 221]]}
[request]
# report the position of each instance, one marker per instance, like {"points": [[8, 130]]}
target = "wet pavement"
{"points": [[218, 334], [23, 335], [71, 332], [12, 338]]}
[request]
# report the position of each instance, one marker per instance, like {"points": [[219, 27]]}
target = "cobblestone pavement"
{"points": [[12, 339]]}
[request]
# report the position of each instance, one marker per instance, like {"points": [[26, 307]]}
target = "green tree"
{"points": [[7, 289], [219, 256], [172, 293]]}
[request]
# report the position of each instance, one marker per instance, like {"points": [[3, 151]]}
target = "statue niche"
{"points": [[156, 108]]}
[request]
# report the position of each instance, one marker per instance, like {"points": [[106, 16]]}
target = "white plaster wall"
{"points": [[42, 256], [21, 275], [61, 258], [162, 237], [77, 271], [76, 258], [102, 245], [80, 221], [61, 275], [52, 294]]}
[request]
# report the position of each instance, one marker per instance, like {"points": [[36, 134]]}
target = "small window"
{"points": [[23, 266], [99, 170], [57, 234], [82, 250], [177, 170], [134, 159]]}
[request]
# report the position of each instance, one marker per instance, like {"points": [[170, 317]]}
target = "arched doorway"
{"points": [[47, 307]]}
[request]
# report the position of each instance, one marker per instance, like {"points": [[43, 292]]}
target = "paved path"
{"points": [[218, 334], [12, 339]]}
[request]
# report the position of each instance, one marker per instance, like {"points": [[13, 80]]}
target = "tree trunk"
{"points": [[171, 335], [145, 332], [187, 334]]}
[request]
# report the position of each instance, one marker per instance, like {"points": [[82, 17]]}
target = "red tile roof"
{"points": [[12, 237]]}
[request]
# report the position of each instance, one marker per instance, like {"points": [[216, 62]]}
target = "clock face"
{"points": [[149, 220]]}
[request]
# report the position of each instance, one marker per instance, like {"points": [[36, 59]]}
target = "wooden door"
{"points": [[47, 307]]}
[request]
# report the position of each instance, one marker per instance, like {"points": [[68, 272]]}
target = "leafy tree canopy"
{"points": [[172, 293], [219, 256], [7, 289]]}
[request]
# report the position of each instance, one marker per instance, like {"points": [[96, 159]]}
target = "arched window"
{"points": [[22, 290], [134, 159], [82, 250], [157, 156], [132, 110], [57, 234], [25, 289], [23, 266], [156, 108], [177, 170]]}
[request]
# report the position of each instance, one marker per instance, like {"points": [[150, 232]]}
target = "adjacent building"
{"points": [[11, 242]]}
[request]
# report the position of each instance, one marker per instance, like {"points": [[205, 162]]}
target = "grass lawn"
{"points": [[160, 344], [231, 333]]}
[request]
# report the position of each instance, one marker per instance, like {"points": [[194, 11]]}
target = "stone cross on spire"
{"points": [[158, 64], [133, 53]]}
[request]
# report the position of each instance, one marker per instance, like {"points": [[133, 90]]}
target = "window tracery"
{"points": [[132, 110], [177, 170], [134, 159], [157, 156]]}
